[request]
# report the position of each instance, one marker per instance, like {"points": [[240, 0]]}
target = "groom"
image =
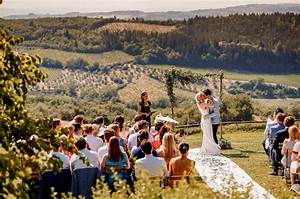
{"points": [[214, 113]]}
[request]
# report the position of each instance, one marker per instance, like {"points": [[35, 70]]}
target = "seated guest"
{"points": [[153, 166], [181, 165], [83, 153], [104, 149], [168, 148], [71, 130], [77, 131], [274, 148], [288, 145], [124, 130], [136, 152], [115, 162], [269, 124], [58, 153], [134, 128], [100, 122], [132, 140], [116, 129], [156, 135], [93, 141], [283, 134], [295, 164], [56, 124]]}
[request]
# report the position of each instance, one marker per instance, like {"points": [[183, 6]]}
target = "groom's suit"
{"points": [[215, 117]]}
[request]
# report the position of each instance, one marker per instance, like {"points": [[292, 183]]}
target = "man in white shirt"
{"points": [[93, 141], [132, 140], [76, 161], [153, 166], [60, 155]]}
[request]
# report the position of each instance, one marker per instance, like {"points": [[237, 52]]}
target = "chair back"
{"points": [[60, 181]]}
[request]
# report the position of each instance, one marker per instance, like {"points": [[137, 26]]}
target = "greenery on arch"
{"points": [[175, 76]]}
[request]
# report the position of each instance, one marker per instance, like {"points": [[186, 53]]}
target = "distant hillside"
{"points": [[176, 15], [245, 43]]}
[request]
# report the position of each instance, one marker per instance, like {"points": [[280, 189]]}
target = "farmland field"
{"points": [[290, 79], [106, 58], [137, 27]]}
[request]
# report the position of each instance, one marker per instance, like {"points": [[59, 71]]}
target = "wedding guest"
{"points": [[132, 140], [283, 134], [124, 130], [71, 130], [114, 163], [269, 124], [58, 153], [162, 131], [116, 129], [104, 149], [153, 166], [274, 150], [288, 145], [168, 148], [295, 164], [144, 107], [156, 135], [134, 128], [215, 113], [93, 141], [136, 152], [181, 165], [76, 161], [100, 122], [56, 124], [78, 133]]}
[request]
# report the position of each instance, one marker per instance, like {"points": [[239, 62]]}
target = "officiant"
{"points": [[144, 107]]}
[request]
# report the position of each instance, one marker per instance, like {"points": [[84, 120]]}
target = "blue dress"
{"points": [[110, 177]]}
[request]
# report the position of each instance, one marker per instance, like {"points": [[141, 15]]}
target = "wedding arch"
{"points": [[175, 76]]}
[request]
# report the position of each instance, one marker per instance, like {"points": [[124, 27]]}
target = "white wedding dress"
{"points": [[209, 145]]}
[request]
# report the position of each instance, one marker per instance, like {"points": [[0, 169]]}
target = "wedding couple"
{"points": [[210, 120]]}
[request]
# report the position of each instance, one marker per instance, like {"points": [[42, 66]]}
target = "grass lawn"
{"points": [[248, 153], [290, 80], [102, 58]]}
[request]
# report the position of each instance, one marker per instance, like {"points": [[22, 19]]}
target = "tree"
{"points": [[18, 160]]}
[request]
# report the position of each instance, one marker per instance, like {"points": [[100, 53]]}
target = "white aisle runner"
{"points": [[221, 174]]}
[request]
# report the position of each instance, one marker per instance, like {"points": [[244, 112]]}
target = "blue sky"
{"points": [[63, 6]]}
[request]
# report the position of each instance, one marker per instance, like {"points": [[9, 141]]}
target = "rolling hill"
{"points": [[175, 15]]}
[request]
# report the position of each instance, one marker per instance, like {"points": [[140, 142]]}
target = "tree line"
{"points": [[266, 43]]}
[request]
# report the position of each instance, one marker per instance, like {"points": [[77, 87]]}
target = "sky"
{"points": [[9, 7]]}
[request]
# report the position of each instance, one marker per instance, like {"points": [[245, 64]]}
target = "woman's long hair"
{"points": [[142, 95], [163, 130], [169, 147], [114, 151]]}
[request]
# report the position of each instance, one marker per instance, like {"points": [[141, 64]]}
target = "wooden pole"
{"points": [[220, 99]]}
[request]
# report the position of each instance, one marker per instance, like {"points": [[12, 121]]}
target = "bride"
{"points": [[209, 146]]}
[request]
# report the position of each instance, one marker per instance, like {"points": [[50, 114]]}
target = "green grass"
{"points": [[290, 80], [102, 58], [248, 153]]}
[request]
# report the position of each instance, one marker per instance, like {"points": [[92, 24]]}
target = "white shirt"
{"points": [[104, 150], [101, 131], [94, 142], [77, 163], [132, 140], [154, 166], [65, 159]]}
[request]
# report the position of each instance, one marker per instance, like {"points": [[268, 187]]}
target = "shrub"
{"points": [[237, 107]]}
